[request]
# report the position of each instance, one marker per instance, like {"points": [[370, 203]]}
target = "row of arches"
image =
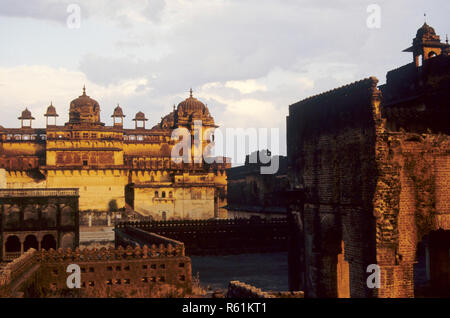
{"points": [[31, 216], [14, 244]]}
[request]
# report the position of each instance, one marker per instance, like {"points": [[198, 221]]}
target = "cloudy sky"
{"points": [[246, 59]]}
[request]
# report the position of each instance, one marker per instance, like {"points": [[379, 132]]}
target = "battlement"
{"points": [[351, 105], [16, 269], [120, 272], [212, 237], [369, 83], [112, 254], [197, 223], [48, 192]]}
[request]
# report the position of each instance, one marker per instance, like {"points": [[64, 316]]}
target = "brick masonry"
{"points": [[375, 184]]}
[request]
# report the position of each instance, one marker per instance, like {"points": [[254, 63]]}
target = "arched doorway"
{"points": [[48, 242], [432, 268], [30, 242], [67, 241], [12, 244]]}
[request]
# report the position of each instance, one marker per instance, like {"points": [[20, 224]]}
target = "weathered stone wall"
{"points": [[414, 203], [156, 271], [219, 237], [376, 182], [251, 193], [332, 156]]}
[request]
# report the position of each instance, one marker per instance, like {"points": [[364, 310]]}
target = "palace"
{"points": [[111, 165]]}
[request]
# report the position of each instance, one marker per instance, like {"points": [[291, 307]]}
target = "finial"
{"points": [[191, 91], [174, 107], [51, 103], [446, 38], [84, 89], [425, 17]]}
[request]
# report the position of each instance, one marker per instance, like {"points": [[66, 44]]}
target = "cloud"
{"points": [[248, 60], [38, 9], [36, 86]]}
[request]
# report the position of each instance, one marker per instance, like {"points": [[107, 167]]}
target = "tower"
{"points": [[51, 112], [427, 44], [140, 117], [118, 113], [26, 116]]}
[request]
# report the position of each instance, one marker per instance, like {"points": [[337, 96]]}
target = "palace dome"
{"points": [[84, 109], [425, 30], [191, 105]]}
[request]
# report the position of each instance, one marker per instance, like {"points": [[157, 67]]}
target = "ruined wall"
{"points": [[153, 271], [375, 171], [412, 201], [331, 155], [147, 272]]}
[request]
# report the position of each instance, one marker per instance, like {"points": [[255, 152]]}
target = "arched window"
{"points": [[30, 242], [156, 194], [170, 194], [12, 217], [49, 216], [30, 216], [67, 241], [432, 54], [48, 242], [164, 216], [12, 244], [163, 194], [67, 216]]}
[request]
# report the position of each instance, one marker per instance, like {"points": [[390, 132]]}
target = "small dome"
{"points": [[140, 116], [26, 114], [191, 105], [118, 112], [51, 111], [426, 32]]}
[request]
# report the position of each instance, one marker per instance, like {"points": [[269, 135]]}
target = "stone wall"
{"points": [[155, 271], [218, 237], [376, 183]]}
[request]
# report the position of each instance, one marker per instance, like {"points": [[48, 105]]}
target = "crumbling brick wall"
{"points": [[375, 183]]}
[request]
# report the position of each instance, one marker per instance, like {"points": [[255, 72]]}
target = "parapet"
{"points": [[111, 254]]}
